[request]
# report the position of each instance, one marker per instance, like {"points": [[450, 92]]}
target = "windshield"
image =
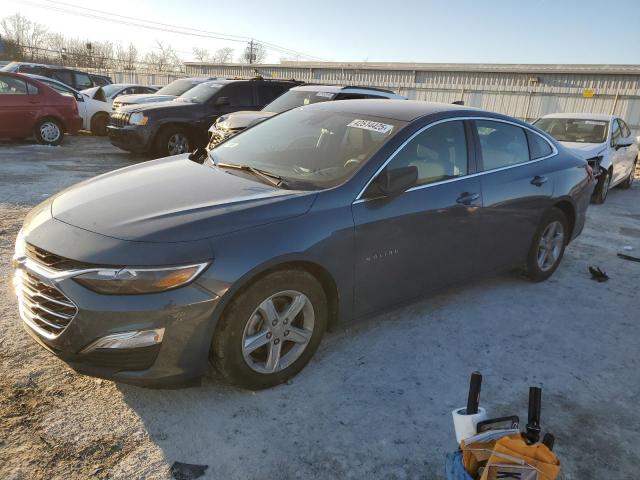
{"points": [[111, 89], [574, 129], [178, 87], [297, 98], [309, 149], [200, 93]]}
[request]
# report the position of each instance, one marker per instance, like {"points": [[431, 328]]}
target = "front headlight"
{"points": [[138, 119], [21, 246], [135, 281]]}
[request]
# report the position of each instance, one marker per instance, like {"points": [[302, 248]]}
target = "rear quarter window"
{"points": [[538, 146]]}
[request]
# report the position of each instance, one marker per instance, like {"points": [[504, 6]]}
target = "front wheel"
{"points": [[99, 124], [49, 132], [172, 141], [270, 331], [632, 174], [548, 246], [602, 188]]}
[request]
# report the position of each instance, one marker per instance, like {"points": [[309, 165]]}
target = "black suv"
{"points": [[180, 125], [74, 78]]}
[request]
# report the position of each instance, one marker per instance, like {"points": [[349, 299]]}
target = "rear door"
{"points": [[424, 238], [19, 105], [517, 188], [630, 152], [266, 92]]}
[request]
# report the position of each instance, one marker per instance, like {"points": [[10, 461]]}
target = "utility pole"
{"points": [[251, 51]]}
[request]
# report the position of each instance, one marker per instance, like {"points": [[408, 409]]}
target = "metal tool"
{"points": [[474, 393], [533, 420], [548, 440], [502, 423]]}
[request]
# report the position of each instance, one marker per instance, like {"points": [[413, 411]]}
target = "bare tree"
{"points": [[165, 58], [201, 54], [223, 55], [28, 35], [253, 53], [127, 58]]}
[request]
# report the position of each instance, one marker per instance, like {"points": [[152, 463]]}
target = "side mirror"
{"points": [[394, 181], [623, 142], [221, 101]]}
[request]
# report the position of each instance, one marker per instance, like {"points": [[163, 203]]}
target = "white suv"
{"points": [[228, 125], [605, 141]]}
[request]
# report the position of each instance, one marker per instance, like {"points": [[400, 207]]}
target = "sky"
{"points": [[455, 31]]}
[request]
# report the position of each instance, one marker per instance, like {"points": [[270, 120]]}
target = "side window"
{"points": [[32, 89], [538, 146], [59, 88], [12, 86], [269, 92], [83, 81], [439, 153], [64, 76], [615, 132], [239, 94], [502, 144], [351, 96]]}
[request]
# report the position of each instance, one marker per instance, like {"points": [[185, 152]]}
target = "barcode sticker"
{"points": [[378, 127]]}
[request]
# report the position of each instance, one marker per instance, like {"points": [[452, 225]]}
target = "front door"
{"points": [[423, 238]]}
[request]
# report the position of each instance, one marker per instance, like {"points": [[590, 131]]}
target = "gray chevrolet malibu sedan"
{"points": [[324, 213]]}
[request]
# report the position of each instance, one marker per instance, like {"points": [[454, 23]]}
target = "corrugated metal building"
{"points": [[524, 91]]}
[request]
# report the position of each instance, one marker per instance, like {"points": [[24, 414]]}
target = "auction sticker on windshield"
{"points": [[373, 126]]}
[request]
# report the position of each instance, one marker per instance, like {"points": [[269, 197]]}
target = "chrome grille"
{"points": [[120, 119], [53, 261], [42, 306]]}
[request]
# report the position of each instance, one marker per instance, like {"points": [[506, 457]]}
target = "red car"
{"points": [[31, 108]]}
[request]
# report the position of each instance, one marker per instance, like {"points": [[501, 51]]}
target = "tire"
{"points": [[248, 315], [49, 131], [602, 188], [172, 141], [629, 180], [99, 124], [552, 232]]}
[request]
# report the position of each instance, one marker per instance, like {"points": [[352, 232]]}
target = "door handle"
{"points": [[467, 198], [538, 181]]}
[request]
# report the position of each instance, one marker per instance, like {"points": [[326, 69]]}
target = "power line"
{"points": [[152, 25]]}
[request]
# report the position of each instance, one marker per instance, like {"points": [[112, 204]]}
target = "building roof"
{"points": [[623, 69], [582, 116]]}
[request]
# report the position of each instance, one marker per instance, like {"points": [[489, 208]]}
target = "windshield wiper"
{"points": [[272, 178]]}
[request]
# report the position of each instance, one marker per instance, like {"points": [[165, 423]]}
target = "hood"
{"points": [[143, 98], [149, 106], [175, 200], [585, 150], [243, 119]]}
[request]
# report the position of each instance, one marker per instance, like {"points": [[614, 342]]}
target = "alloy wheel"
{"points": [[550, 246], [178, 143], [278, 331], [50, 132], [605, 187]]}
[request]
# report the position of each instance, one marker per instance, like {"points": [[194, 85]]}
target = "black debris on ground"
{"points": [[187, 471]]}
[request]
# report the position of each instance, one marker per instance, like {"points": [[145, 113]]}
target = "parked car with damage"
{"points": [[29, 108], [227, 126], [76, 79], [181, 125], [324, 213], [166, 93], [605, 141], [94, 111]]}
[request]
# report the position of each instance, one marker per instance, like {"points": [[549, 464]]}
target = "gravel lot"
{"points": [[376, 400]]}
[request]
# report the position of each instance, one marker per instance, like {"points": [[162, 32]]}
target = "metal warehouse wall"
{"points": [[523, 91]]}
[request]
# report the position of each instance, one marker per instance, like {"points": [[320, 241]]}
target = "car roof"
{"points": [[340, 88], [403, 110], [48, 79], [582, 116]]}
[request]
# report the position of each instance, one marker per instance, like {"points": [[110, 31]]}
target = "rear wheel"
{"points": [[548, 246], [271, 330], [632, 174], [172, 141], [49, 131], [99, 124], [602, 188]]}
